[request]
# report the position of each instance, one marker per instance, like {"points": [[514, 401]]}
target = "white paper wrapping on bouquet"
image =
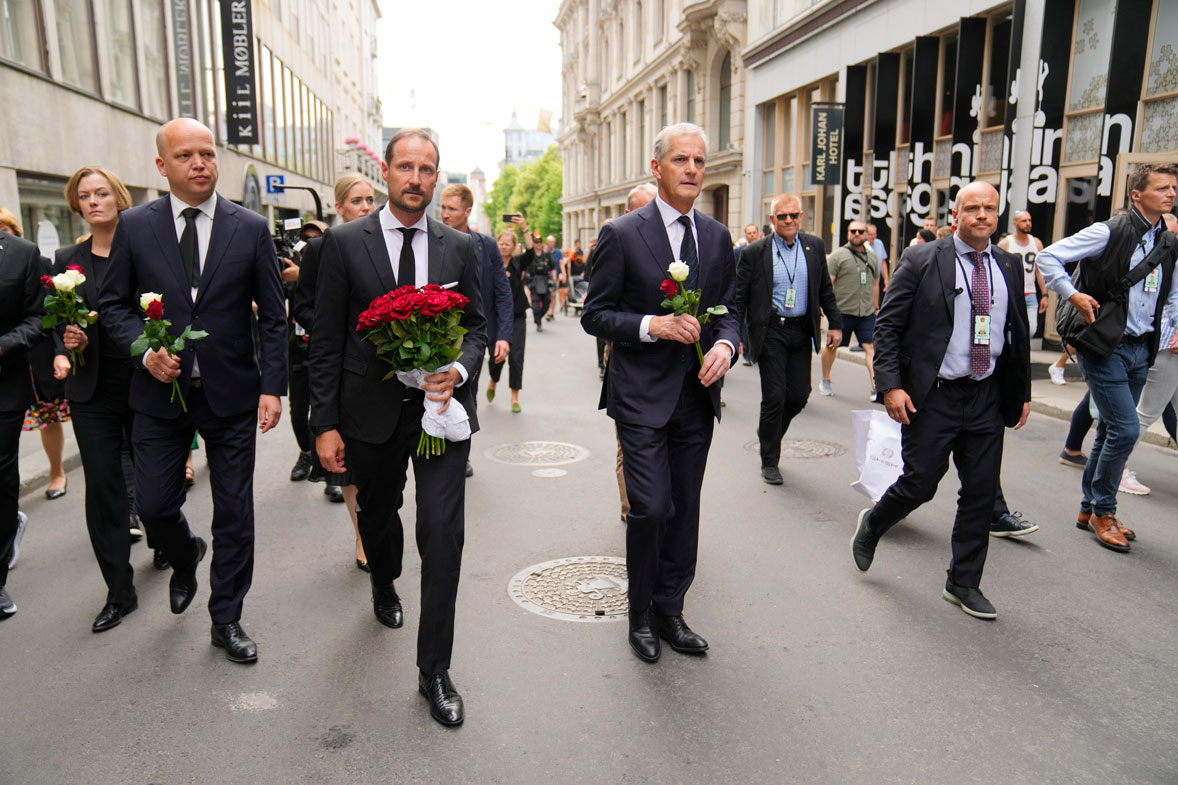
{"points": [[452, 424], [877, 452]]}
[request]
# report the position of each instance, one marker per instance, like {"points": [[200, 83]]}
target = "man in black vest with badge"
{"points": [[953, 366], [1124, 280]]}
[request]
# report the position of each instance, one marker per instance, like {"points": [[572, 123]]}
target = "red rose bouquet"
{"points": [[64, 305], [417, 332], [155, 336]]}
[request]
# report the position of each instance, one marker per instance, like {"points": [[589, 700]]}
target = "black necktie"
{"points": [[688, 254], [407, 266], [189, 248]]}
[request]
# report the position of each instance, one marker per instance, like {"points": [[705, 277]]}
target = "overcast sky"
{"points": [[462, 66]]}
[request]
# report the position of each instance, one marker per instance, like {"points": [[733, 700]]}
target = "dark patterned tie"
{"points": [[688, 254], [407, 266], [979, 355], [189, 248]]}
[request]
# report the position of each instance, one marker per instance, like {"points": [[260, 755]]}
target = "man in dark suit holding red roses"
{"points": [[655, 389], [374, 424]]}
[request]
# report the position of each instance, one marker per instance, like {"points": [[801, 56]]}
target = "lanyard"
{"points": [[969, 282], [791, 275]]}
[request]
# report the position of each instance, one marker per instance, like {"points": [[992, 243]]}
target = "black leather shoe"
{"points": [[771, 475], [302, 468], [864, 542], [469, 470], [317, 472], [643, 639], [445, 704], [182, 587], [333, 493], [675, 631], [159, 561], [112, 614], [386, 605], [238, 646]]}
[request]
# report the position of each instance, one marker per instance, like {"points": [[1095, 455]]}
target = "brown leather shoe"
{"points": [[1084, 517], [1107, 533]]}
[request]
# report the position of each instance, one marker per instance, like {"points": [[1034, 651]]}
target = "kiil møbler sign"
{"points": [[241, 92], [826, 144]]}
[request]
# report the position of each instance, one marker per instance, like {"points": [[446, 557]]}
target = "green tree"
{"points": [[534, 190]]}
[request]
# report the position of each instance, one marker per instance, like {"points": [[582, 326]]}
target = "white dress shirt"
{"points": [[394, 240], [956, 364], [674, 229], [204, 230]]}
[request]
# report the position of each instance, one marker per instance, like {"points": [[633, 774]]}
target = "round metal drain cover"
{"points": [[538, 453], [803, 448], [579, 588]]}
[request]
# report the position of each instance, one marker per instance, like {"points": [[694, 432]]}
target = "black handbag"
{"points": [[1104, 334]]}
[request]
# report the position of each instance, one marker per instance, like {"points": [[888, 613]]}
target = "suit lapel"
{"points": [[378, 252], [164, 227], [224, 227], [654, 234], [947, 267], [84, 259], [437, 250]]}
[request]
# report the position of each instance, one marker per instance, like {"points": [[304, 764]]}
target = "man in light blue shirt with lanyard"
{"points": [[1106, 252]]}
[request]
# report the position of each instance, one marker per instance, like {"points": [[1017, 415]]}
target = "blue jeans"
{"points": [[1114, 383]]}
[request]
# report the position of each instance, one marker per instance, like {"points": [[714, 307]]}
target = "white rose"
{"points": [[62, 282], [147, 298], [678, 271], [75, 276]]}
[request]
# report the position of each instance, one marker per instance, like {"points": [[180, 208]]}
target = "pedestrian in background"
{"points": [[541, 273], [854, 274], [513, 268]]}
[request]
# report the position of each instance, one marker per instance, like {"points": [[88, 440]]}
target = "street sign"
{"points": [[271, 181]]}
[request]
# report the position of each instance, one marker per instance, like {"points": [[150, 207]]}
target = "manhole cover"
{"points": [[579, 588], [549, 473], [538, 453], [802, 448]]}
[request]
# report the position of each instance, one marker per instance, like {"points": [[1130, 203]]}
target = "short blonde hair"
{"points": [[463, 193], [944, 231], [122, 195], [346, 182], [8, 219]]}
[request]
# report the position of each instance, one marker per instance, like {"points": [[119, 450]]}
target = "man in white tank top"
{"points": [[1026, 246]]}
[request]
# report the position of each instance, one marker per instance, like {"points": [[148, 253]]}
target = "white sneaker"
{"points": [[1130, 485], [824, 387], [22, 521], [1056, 374]]}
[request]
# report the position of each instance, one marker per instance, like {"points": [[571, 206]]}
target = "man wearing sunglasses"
{"points": [[782, 288]]}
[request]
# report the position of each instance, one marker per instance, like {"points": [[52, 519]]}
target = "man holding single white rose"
{"points": [[661, 396]]}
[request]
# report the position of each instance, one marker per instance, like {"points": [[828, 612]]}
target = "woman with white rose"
{"points": [[98, 390]]}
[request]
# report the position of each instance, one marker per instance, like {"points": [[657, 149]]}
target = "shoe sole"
{"points": [[1109, 545], [436, 718], [1073, 464], [855, 536], [773, 481], [1132, 492], [953, 598], [1020, 533]]}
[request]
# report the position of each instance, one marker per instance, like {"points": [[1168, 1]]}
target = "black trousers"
{"points": [[300, 401], [784, 364], [540, 303], [515, 359], [664, 472], [161, 448], [10, 425], [963, 418], [379, 472], [101, 426]]}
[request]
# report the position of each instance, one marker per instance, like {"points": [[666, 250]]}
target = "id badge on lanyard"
{"points": [[981, 330], [791, 297], [1153, 280], [862, 277]]}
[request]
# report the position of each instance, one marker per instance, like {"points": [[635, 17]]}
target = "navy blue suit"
{"points": [[652, 391], [240, 268]]}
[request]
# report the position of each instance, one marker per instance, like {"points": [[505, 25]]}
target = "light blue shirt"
{"points": [[1090, 244], [790, 272], [881, 253], [956, 363]]}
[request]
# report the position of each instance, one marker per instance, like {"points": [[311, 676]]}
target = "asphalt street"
{"points": [[816, 673]]}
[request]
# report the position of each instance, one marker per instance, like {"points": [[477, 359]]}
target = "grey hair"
{"points": [[645, 188], [663, 137]]}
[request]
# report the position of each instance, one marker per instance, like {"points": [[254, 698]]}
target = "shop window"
{"points": [[691, 96], [1090, 54], [267, 89], [641, 134], [999, 77], [20, 33], [725, 135], [948, 79], [120, 53], [638, 31], [155, 59], [75, 39], [663, 107], [906, 62], [1159, 116]]}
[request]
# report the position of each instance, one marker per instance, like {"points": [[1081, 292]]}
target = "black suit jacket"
{"points": [[915, 323], [82, 380], [22, 305], [302, 300], [240, 268], [754, 289], [643, 380], [348, 388]]}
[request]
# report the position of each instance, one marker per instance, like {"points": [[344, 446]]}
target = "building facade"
{"points": [[523, 145], [1051, 101], [88, 82], [632, 67]]}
